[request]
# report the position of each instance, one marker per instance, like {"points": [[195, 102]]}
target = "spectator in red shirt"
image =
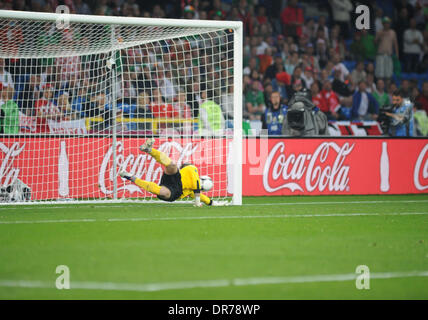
{"points": [[332, 100], [318, 99], [292, 19], [423, 97], [46, 109], [261, 15]]}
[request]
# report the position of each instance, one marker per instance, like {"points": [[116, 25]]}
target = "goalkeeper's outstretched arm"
{"points": [[201, 197]]}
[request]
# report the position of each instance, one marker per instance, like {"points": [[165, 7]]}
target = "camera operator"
{"points": [[303, 118], [401, 120]]}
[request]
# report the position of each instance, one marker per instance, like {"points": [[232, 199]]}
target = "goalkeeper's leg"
{"points": [[147, 185], [159, 156]]}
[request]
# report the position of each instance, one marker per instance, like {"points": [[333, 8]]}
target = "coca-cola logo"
{"points": [[137, 165], [421, 170], [289, 169], [8, 174]]}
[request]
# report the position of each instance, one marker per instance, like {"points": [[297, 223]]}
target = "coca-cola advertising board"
{"points": [[81, 168], [335, 166]]}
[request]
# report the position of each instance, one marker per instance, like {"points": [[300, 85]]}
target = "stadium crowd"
{"points": [[289, 46]]}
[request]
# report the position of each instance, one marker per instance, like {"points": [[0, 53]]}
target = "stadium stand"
{"points": [[318, 41]]}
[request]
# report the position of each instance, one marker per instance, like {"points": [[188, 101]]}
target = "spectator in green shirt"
{"points": [[211, 119], [380, 95], [254, 102], [9, 112], [357, 48], [421, 120], [368, 41]]}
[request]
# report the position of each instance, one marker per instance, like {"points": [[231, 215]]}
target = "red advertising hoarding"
{"points": [[81, 168], [335, 166]]}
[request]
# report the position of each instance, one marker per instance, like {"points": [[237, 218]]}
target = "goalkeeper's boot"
{"points": [[125, 175], [147, 146]]}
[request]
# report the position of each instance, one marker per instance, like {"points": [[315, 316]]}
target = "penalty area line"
{"points": [[164, 286], [133, 204], [278, 216]]}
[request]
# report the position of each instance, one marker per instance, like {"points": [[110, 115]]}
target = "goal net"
{"points": [[80, 94]]}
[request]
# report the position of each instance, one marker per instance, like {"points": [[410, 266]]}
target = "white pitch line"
{"points": [[132, 205], [164, 286], [278, 216]]}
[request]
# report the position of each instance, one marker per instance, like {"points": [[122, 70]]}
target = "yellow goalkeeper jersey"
{"points": [[191, 182]]}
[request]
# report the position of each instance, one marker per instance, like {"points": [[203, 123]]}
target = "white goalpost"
{"points": [[79, 94]]}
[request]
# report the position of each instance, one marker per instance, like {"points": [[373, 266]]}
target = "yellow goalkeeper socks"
{"points": [[148, 186], [160, 157]]}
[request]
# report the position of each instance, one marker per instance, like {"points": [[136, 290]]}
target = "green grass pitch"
{"points": [[269, 248]]}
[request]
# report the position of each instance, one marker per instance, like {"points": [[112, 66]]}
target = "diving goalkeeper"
{"points": [[175, 184]]}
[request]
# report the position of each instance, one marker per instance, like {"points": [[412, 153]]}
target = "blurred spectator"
{"points": [[370, 68], [79, 100], [343, 89], [342, 15], [9, 113], [332, 102], [421, 120], [336, 42], [211, 119], [402, 121], [364, 106], [125, 90], [415, 93], [274, 115], [413, 46], [226, 103], [357, 47], [423, 96], [254, 102], [292, 62], [405, 88], [11, 37], [322, 25], [5, 76], [166, 85], [275, 68], [387, 46], [371, 86], [400, 25], [392, 87], [46, 109], [143, 105], [181, 108], [280, 83], [82, 7], [378, 19], [312, 58], [292, 19], [216, 10], [296, 86], [358, 74], [318, 98], [65, 108], [309, 29], [265, 60], [369, 45], [380, 95], [253, 65], [339, 66], [308, 76]]}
